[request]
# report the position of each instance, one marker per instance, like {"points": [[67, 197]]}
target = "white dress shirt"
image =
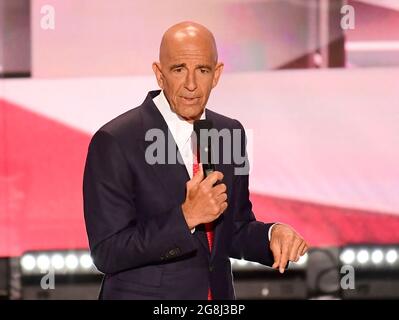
{"points": [[181, 131]]}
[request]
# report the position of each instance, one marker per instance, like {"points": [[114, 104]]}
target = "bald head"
{"points": [[186, 34]]}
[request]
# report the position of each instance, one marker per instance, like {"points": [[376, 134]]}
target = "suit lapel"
{"points": [[169, 174]]}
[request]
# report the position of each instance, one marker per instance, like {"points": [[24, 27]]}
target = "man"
{"points": [[159, 231]]}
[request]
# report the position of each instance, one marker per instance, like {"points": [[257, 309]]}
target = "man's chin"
{"points": [[191, 115]]}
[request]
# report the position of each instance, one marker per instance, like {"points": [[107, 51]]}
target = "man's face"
{"points": [[187, 73]]}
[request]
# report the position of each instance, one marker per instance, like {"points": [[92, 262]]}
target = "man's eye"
{"points": [[204, 70], [178, 70]]}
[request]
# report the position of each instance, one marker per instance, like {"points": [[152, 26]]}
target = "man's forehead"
{"points": [[189, 55], [190, 45], [190, 61]]}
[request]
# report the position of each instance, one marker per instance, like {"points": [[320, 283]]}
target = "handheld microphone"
{"points": [[204, 150]]}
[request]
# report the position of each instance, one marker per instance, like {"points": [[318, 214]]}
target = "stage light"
{"points": [[377, 256], [303, 259], [71, 261], [363, 256], [75, 274], [77, 262], [28, 262], [265, 292], [348, 256], [376, 271], [391, 256], [86, 261], [57, 261], [43, 262]]}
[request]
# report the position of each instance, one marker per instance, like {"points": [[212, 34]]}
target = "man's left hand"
{"points": [[286, 245]]}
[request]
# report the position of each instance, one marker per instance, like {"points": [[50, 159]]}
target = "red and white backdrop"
{"points": [[324, 148], [324, 152]]}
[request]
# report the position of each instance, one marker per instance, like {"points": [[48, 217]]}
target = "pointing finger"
{"points": [[284, 258]]}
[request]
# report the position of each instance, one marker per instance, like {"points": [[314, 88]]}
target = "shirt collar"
{"points": [[180, 128]]}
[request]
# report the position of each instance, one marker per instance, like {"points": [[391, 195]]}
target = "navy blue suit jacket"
{"points": [[137, 232]]}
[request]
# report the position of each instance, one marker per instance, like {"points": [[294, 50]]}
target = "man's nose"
{"points": [[191, 82]]}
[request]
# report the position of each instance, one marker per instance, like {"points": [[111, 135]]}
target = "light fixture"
{"points": [[57, 261], [363, 256], [28, 262], [86, 261], [71, 261], [377, 256], [303, 259], [348, 256], [391, 256], [43, 262], [61, 262]]}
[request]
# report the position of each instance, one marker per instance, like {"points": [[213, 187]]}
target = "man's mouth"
{"points": [[188, 100]]}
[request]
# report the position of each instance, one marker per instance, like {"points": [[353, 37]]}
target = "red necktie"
{"points": [[208, 226]]}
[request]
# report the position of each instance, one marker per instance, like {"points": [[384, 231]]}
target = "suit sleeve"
{"points": [[118, 239], [250, 237]]}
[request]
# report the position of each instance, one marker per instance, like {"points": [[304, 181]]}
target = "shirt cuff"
{"points": [[270, 230]]}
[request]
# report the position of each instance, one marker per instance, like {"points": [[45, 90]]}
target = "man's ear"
{"points": [[218, 72], [156, 67]]}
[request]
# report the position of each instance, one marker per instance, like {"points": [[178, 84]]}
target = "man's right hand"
{"points": [[204, 202]]}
